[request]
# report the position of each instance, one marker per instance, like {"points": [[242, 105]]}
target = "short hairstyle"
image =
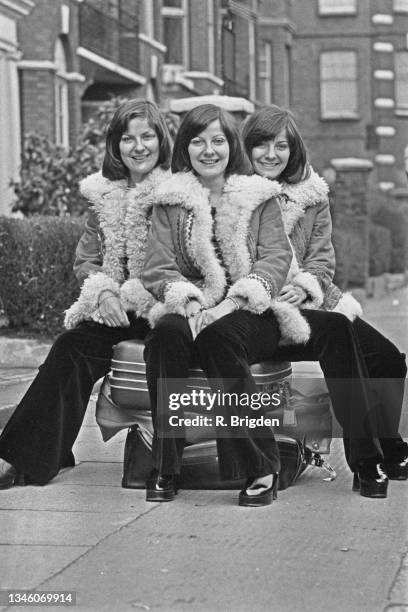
{"points": [[195, 122], [265, 124], [113, 167]]}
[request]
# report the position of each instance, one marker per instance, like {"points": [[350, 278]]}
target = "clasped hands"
{"points": [[293, 294], [198, 317]]}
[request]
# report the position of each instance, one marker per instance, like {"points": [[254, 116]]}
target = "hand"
{"points": [[216, 312], [111, 312], [293, 294], [194, 315]]}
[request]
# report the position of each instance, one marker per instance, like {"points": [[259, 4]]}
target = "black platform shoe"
{"points": [[160, 487], [10, 478], [263, 498], [370, 479], [397, 471]]}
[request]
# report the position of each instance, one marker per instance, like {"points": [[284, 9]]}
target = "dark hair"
{"points": [[196, 121], [113, 167], [265, 124]]}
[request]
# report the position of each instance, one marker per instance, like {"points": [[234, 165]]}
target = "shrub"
{"points": [[37, 281], [380, 250], [396, 221]]}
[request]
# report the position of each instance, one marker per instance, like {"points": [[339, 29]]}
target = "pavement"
{"points": [[319, 547]]}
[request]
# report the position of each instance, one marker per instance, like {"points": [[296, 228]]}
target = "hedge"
{"points": [[36, 279], [380, 250]]}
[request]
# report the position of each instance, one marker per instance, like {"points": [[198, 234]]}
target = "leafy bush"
{"points": [[380, 250], [36, 279], [50, 175], [396, 221]]}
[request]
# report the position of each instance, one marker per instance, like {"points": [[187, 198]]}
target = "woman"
{"points": [[276, 149], [216, 258], [37, 441]]}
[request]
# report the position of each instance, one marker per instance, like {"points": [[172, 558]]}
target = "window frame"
{"points": [[341, 115], [61, 96], [181, 13], [266, 76], [400, 108]]}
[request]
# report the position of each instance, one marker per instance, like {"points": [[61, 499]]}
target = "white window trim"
{"points": [[400, 9], [337, 11]]}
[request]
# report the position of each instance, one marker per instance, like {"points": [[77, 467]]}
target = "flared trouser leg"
{"points": [[333, 342], [387, 370], [224, 350], [168, 354], [38, 438]]}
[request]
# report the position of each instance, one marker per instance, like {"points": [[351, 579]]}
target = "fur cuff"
{"points": [[349, 306], [176, 297], [156, 313], [293, 326], [87, 302], [179, 293], [309, 283], [135, 297], [258, 299]]}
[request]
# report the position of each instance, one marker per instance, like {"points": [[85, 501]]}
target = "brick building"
{"points": [[349, 82], [341, 65]]}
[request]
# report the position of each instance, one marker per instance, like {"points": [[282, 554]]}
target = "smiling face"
{"points": [[139, 149], [271, 157], [209, 152]]}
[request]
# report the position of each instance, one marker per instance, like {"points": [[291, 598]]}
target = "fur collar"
{"points": [[123, 213], [184, 189], [296, 198]]}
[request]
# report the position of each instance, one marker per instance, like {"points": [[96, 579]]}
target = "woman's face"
{"points": [[139, 148], [271, 157], [209, 152]]}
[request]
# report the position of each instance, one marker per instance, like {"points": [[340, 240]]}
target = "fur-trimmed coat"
{"points": [[111, 251], [182, 262], [307, 221]]}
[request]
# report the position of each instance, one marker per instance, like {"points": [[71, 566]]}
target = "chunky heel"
{"points": [[263, 498], [160, 488], [370, 480]]}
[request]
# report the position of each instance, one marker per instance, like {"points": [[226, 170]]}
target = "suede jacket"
{"points": [[307, 221], [182, 262], [111, 251]]}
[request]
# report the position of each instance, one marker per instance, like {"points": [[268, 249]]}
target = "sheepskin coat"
{"points": [[252, 259], [307, 221], [111, 252]]}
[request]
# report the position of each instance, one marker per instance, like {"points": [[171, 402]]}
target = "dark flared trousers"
{"points": [[225, 349], [365, 375], [39, 436]]}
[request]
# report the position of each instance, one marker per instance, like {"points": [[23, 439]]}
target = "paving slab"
{"points": [[29, 565]]}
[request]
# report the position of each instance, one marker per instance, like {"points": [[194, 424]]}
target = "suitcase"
{"points": [[304, 433], [200, 463]]}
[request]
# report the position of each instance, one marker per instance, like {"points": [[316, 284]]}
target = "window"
{"points": [[61, 96], [174, 14], [265, 72], [337, 7], [338, 85], [400, 6], [401, 80]]}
